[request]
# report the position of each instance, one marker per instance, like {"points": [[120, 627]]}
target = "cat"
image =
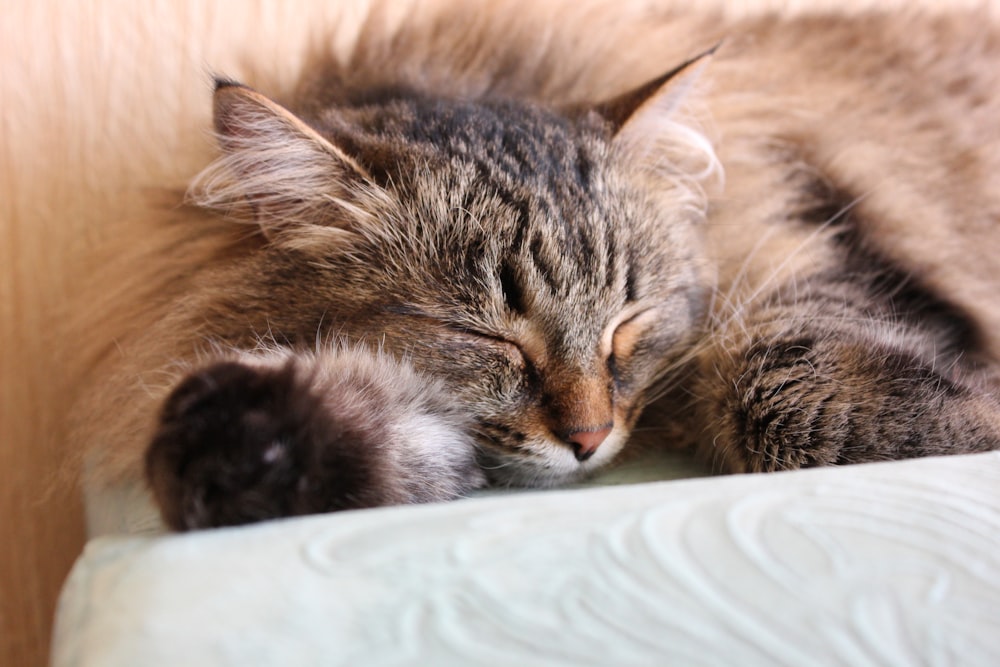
{"points": [[484, 245]]}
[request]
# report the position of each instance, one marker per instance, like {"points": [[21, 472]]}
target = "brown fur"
{"points": [[851, 311]]}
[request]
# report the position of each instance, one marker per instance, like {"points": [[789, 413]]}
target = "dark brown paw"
{"points": [[238, 444]]}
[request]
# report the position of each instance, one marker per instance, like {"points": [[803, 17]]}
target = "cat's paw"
{"points": [[234, 445], [242, 441], [835, 402]]}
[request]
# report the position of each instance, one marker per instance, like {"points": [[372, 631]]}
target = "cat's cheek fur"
{"points": [[262, 436]]}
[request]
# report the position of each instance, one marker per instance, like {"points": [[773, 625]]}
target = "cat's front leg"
{"points": [[260, 437], [805, 394]]}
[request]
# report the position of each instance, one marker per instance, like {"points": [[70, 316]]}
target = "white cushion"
{"points": [[888, 564]]}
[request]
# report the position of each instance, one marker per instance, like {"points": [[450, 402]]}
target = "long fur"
{"points": [[106, 106], [815, 153]]}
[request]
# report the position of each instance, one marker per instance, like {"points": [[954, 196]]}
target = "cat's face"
{"points": [[511, 252]]}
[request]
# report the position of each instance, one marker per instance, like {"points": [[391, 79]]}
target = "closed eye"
{"points": [[626, 334], [510, 349]]}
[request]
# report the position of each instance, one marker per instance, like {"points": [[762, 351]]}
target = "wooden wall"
{"points": [[99, 101]]}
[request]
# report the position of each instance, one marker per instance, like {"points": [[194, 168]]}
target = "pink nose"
{"points": [[586, 442]]}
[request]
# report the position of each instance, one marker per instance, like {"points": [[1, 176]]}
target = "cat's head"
{"points": [[544, 264]]}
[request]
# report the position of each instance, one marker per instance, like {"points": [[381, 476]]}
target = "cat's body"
{"points": [[481, 248]]}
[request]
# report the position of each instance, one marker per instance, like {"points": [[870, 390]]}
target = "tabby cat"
{"points": [[479, 248]]}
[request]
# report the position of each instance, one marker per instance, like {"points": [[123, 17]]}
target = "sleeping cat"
{"points": [[480, 248]]}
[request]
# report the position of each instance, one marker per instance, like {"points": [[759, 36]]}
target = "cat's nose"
{"points": [[585, 442]]}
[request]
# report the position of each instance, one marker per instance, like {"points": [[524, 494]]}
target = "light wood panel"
{"points": [[99, 101]]}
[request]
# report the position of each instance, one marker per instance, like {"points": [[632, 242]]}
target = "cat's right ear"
{"points": [[276, 169]]}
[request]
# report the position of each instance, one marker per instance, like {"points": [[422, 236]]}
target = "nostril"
{"points": [[581, 453], [586, 442]]}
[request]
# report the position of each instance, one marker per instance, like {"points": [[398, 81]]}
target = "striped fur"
{"points": [[750, 254]]}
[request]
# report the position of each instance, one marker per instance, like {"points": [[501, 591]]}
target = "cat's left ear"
{"points": [[654, 99]]}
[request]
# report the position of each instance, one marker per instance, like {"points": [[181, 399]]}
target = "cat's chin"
{"points": [[552, 464]]}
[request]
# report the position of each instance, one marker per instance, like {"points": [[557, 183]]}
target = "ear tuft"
{"points": [[224, 82]]}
